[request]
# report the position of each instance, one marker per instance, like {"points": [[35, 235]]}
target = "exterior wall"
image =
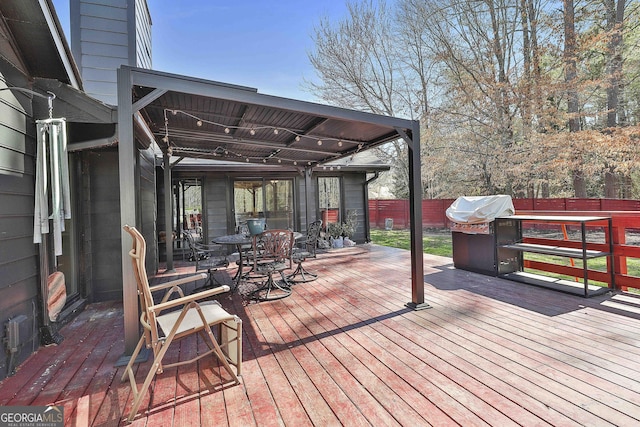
{"points": [[355, 199], [106, 34], [217, 207], [103, 225], [101, 246], [147, 207], [19, 260], [218, 218]]}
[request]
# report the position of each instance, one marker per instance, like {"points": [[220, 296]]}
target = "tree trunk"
{"points": [[615, 17], [570, 78]]}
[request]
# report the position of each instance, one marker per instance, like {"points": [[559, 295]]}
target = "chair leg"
{"points": [[303, 273], [144, 389], [128, 370], [272, 290]]}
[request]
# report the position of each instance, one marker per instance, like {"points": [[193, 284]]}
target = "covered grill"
{"points": [[473, 231]]}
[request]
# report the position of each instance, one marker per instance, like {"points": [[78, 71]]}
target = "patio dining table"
{"points": [[239, 240]]}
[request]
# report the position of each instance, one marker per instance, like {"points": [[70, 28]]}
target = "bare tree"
{"points": [[361, 67]]}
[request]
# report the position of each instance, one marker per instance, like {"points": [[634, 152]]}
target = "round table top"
{"points": [[232, 239], [241, 239]]}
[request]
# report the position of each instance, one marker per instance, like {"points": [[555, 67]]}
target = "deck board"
{"points": [[345, 350]]}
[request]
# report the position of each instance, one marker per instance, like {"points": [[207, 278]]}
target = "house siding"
{"points": [[147, 207], [104, 225], [19, 261], [218, 208], [355, 199], [106, 34]]}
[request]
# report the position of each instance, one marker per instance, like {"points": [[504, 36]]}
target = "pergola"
{"points": [[190, 117]]}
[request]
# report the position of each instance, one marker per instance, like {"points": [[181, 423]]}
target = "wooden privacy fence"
{"points": [[433, 210], [625, 216]]}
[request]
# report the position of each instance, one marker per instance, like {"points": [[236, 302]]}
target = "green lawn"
{"points": [[439, 243]]}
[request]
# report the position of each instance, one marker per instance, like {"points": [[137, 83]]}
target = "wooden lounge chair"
{"points": [[173, 319]]}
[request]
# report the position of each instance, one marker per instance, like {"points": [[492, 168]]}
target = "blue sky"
{"points": [[256, 43]]}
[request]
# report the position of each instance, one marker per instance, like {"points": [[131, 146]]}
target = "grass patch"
{"points": [[437, 243]]}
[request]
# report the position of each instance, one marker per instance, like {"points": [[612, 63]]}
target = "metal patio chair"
{"points": [[308, 250], [272, 254], [206, 258], [172, 319]]}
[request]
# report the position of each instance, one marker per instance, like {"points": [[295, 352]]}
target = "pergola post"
{"points": [[415, 218], [126, 173], [168, 212], [307, 190]]}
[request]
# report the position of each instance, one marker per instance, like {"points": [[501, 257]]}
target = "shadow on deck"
{"points": [[344, 350]]}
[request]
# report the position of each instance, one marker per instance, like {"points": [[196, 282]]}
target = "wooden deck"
{"points": [[344, 350]]}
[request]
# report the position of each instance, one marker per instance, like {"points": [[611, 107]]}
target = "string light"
{"points": [[252, 131]]}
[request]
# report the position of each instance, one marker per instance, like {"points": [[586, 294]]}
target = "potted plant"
{"points": [[349, 227], [335, 233]]}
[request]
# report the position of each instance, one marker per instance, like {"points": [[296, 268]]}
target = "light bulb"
{"points": [[247, 160], [199, 123], [165, 139], [252, 132], [279, 160], [275, 131], [295, 163], [324, 167], [174, 112], [264, 160], [226, 130], [331, 168], [339, 143], [338, 167], [297, 138], [319, 142], [308, 163]]}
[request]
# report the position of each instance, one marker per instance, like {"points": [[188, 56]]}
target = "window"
{"points": [[270, 199], [329, 200]]}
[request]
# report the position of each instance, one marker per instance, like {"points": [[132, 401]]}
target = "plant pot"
{"points": [[256, 225]]}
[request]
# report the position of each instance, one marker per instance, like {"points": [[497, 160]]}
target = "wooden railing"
{"points": [[433, 210]]}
